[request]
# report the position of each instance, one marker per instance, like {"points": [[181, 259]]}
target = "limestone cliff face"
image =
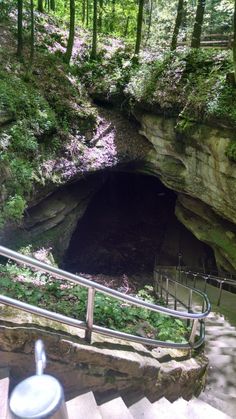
{"points": [[197, 167]]}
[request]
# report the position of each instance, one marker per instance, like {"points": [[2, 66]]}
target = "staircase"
{"points": [[85, 406], [4, 388], [220, 347], [220, 389]]}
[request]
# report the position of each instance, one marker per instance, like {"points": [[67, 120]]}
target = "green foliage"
{"points": [[41, 289], [13, 209], [5, 8], [30, 121], [109, 74], [231, 151], [191, 84]]}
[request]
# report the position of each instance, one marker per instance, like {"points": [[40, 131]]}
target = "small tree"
{"points": [[40, 6], [70, 42], [52, 5], [139, 27], [234, 42], [87, 12], [197, 30], [149, 21], [178, 22], [19, 28], [95, 30], [83, 11], [100, 15], [113, 16], [32, 31]]}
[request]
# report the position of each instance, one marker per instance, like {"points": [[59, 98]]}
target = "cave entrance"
{"points": [[128, 223]]}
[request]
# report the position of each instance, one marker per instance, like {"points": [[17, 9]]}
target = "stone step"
{"points": [[180, 406], [221, 334], [198, 409], [166, 409], [220, 401], [143, 409], [83, 407], [115, 409], [228, 342], [219, 327], [223, 351], [4, 389]]}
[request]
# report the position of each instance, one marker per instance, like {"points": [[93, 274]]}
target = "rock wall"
{"points": [[197, 167], [107, 365]]}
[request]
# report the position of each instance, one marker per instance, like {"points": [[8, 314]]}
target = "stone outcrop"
{"points": [[105, 365], [53, 221], [196, 166]]}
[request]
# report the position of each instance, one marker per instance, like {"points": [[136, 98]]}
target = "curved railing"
{"points": [[168, 286], [185, 274], [88, 325]]}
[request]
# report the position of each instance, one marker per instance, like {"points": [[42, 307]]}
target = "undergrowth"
{"points": [[61, 296], [193, 82]]}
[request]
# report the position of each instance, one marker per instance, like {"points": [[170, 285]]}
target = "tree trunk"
{"points": [[113, 15], [149, 21], [19, 28], [100, 15], [139, 27], [234, 41], [87, 13], [70, 43], [40, 6], [32, 31], [52, 5], [197, 30], [83, 11], [47, 4], [127, 26], [178, 22], [94, 44]]}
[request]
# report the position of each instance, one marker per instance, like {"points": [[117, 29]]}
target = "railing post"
{"points": [[89, 315], [161, 285], [190, 301], [167, 291], [193, 331], [175, 306], [220, 293], [156, 281], [194, 281], [205, 287]]}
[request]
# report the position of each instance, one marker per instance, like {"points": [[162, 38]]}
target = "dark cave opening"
{"points": [[128, 223]]}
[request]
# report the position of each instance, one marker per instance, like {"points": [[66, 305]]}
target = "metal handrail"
{"points": [[197, 291], [219, 280], [93, 286], [226, 275]]}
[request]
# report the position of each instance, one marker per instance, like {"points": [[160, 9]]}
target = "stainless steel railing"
{"points": [[88, 325], [167, 285], [219, 281]]}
